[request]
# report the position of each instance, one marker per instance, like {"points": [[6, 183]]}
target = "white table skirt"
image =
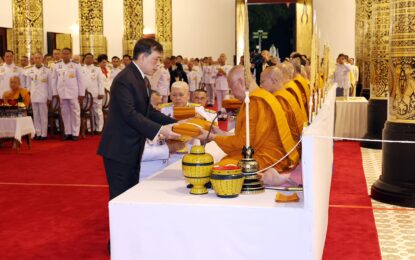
{"points": [[351, 117], [16, 127], [159, 219]]}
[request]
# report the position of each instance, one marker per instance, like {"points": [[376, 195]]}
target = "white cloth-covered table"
{"points": [[158, 218], [351, 117], [16, 127]]}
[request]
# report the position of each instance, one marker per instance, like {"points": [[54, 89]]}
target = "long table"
{"points": [[159, 219], [351, 117]]}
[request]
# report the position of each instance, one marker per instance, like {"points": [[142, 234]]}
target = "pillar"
{"points": [[164, 27], [91, 27], [396, 185], [133, 24]]}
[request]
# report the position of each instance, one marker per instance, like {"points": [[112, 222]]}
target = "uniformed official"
{"points": [[39, 83], [209, 80], [116, 67], [94, 83], [193, 78], [68, 86], [221, 82], [163, 83], [7, 70]]}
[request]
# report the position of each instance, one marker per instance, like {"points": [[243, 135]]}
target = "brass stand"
{"points": [[252, 183]]}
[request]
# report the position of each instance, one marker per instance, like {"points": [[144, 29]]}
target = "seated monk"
{"points": [[289, 84], [16, 91], [302, 83], [272, 81], [270, 133], [179, 96]]}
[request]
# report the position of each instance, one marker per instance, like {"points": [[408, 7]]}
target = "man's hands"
{"points": [[203, 136], [175, 146], [168, 133]]}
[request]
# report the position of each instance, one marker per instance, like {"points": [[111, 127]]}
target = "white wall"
{"points": [[149, 16], [336, 20], [114, 26], [60, 16], [6, 15], [204, 28]]}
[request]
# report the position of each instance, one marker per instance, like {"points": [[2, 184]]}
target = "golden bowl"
{"points": [[227, 181], [197, 168]]}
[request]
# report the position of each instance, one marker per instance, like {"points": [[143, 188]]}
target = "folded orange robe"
{"points": [[231, 104], [181, 113], [192, 127], [270, 134]]}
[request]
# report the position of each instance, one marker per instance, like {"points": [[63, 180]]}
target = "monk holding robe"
{"points": [[270, 134]]}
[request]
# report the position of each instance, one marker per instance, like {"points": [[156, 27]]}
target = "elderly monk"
{"points": [[289, 84], [272, 81], [270, 133], [179, 96], [16, 91]]}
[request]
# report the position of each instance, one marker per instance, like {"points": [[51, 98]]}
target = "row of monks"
{"points": [[278, 113]]}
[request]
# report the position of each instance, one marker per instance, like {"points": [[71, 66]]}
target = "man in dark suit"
{"points": [[132, 119]]}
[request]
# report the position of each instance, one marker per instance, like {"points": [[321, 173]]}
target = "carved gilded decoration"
{"points": [[27, 27], [359, 36], [133, 24], [401, 100], [365, 65], [63, 40], [379, 56], [91, 27], [164, 25], [304, 14]]}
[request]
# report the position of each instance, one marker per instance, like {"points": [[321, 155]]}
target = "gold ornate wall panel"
{"points": [[63, 40], [365, 65], [164, 26], [91, 27], [304, 26], [240, 28], [379, 56], [27, 27], [401, 102], [133, 24], [359, 37]]}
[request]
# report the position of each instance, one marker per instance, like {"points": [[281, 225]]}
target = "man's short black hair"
{"points": [[201, 90], [115, 58], [102, 57], [67, 49], [8, 51], [126, 56], [88, 54], [180, 56], [155, 92], [146, 46]]}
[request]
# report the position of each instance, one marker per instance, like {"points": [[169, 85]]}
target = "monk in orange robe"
{"points": [[17, 90], [270, 134], [302, 83], [272, 81]]}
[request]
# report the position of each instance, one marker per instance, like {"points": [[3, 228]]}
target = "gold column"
{"points": [[359, 37], [240, 28], [27, 27], [366, 33], [91, 27], [164, 25], [402, 62], [379, 50], [133, 24], [304, 26]]}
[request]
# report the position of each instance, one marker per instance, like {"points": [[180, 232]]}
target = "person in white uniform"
{"points": [[209, 80], [116, 66], [7, 70], [193, 78], [39, 83], [221, 82], [163, 83], [94, 83], [341, 76], [355, 71], [69, 87], [105, 70]]}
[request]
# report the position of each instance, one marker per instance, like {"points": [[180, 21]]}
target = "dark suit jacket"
{"points": [[131, 118]]}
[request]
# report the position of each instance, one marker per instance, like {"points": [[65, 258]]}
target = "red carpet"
{"points": [[352, 231], [53, 202]]}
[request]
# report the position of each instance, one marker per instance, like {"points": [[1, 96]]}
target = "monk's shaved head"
{"points": [[272, 79], [236, 82], [287, 71]]}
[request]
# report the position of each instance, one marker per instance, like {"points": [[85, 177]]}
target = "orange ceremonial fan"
{"points": [[192, 127], [231, 104], [181, 113]]}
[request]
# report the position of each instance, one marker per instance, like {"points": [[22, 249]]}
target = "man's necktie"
{"points": [[148, 86]]}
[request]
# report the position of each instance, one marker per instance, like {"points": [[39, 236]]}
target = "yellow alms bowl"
{"points": [[227, 181]]}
